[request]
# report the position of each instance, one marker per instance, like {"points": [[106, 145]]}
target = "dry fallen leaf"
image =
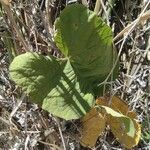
{"points": [[116, 104], [93, 125], [119, 131], [117, 125]]}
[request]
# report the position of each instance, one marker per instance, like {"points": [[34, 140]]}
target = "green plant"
{"points": [[67, 87]]}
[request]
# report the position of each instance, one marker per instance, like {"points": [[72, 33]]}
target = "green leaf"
{"points": [[71, 98], [87, 41], [52, 84], [36, 74], [126, 121]]}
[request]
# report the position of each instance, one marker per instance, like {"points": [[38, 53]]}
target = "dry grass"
{"points": [[28, 26]]}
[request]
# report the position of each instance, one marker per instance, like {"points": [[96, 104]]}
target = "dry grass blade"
{"points": [[97, 6], [7, 8], [140, 19]]}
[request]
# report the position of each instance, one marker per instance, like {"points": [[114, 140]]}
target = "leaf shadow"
{"points": [[67, 95]]}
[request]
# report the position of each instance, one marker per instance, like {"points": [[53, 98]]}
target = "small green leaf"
{"points": [[87, 41], [52, 84]]}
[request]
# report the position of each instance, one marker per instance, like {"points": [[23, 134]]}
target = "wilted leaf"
{"points": [[52, 84], [87, 41], [122, 121], [93, 125], [116, 104], [119, 130]]}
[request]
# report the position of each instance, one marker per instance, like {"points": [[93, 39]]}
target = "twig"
{"points": [[16, 108], [129, 31], [61, 135], [46, 26], [26, 142], [105, 11], [140, 19], [52, 145], [139, 64]]}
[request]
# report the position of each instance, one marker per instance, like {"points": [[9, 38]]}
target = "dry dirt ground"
{"points": [[28, 24]]}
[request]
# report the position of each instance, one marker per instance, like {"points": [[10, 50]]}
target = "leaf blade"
{"points": [[92, 55], [122, 122], [52, 84], [93, 125]]}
